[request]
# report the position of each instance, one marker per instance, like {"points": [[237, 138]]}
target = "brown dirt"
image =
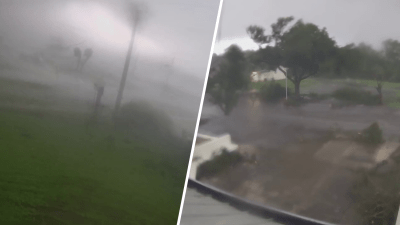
{"points": [[292, 180]]}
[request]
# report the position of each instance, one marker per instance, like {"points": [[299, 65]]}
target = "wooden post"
{"points": [[100, 92]]}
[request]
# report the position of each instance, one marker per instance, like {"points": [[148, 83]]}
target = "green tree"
{"points": [[229, 79], [391, 54], [272, 91], [302, 48], [375, 65], [347, 60], [391, 50]]}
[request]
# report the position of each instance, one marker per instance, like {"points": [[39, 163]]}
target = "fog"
{"points": [[169, 60]]}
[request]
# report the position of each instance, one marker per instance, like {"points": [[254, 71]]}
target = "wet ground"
{"points": [[287, 175], [274, 125]]}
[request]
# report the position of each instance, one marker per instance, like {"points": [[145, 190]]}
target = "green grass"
{"points": [[310, 82], [371, 83], [392, 101], [7, 83], [356, 96], [394, 104], [54, 171], [22, 92]]}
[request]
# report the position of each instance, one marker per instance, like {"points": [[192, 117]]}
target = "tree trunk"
{"points": [[297, 89], [379, 89], [100, 92]]}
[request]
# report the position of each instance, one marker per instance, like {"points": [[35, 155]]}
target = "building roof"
{"points": [[268, 71]]}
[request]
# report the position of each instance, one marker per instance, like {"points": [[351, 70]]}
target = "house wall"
{"points": [[277, 75]]}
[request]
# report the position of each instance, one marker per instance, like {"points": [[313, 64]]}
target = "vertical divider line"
{"points": [[398, 217], [200, 110]]}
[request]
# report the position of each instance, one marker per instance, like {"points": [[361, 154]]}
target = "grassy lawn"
{"points": [[304, 84], [391, 100], [370, 83], [55, 171], [22, 92]]}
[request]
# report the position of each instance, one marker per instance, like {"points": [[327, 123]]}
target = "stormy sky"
{"points": [[174, 28], [171, 50], [347, 21]]}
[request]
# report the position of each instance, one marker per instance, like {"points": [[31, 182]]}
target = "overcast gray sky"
{"points": [[347, 21], [181, 28]]}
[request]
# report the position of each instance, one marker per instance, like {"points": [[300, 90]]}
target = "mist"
{"points": [[169, 59]]}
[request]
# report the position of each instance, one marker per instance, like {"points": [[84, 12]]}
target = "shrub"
{"points": [[356, 96], [144, 120], [292, 102], [218, 164], [272, 91], [313, 95], [316, 96], [375, 206], [372, 134]]}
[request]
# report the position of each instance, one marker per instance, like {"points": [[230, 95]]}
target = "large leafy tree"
{"points": [[347, 60], [301, 49], [391, 50], [391, 54], [230, 77]]}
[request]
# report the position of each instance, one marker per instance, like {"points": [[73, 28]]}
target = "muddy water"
{"points": [[274, 125], [287, 175]]}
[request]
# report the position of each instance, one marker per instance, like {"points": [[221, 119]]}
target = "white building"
{"points": [[265, 75]]}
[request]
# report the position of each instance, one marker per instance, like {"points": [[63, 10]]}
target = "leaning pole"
{"points": [[125, 72]]}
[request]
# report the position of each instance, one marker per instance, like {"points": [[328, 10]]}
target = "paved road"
{"points": [[273, 125], [200, 209]]}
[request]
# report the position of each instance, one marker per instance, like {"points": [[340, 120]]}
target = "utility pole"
{"points": [[286, 85], [125, 71]]}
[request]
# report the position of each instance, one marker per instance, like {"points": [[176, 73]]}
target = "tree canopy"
{"points": [[299, 50], [302, 48], [229, 78]]}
